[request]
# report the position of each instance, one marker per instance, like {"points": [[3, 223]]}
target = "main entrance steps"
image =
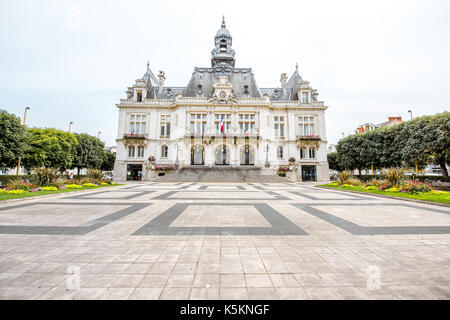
{"points": [[220, 174]]}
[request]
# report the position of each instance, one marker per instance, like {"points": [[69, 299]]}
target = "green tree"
{"points": [[49, 148], [411, 140], [88, 153], [108, 161], [12, 138], [333, 161], [438, 140]]}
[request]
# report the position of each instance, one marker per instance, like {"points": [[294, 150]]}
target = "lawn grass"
{"points": [[442, 198], [6, 196]]}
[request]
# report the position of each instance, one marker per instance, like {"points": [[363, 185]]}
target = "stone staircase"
{"points": [[220, 174]]}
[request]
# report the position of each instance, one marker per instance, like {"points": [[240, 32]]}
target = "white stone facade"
{"points": [[182, 127]]}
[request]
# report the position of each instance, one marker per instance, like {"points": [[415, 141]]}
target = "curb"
{"points": [[389, 197]]}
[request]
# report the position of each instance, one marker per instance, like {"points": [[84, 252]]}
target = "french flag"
{"points": [[221, 125]]}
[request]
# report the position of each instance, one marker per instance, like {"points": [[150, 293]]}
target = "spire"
{"points": [[296, 67], [223, 53]]}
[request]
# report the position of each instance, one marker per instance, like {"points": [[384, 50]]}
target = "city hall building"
{"points": [[221, 119]]}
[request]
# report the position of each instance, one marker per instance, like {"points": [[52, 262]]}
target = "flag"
{"points": [[221, 125], [132, 132]]}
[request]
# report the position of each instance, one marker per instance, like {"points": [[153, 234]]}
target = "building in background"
{"points": [[370, 126], [221, 118]]}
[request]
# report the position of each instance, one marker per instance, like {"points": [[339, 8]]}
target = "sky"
{"points": [[71, 61]]}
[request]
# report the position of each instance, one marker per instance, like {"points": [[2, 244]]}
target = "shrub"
{"points": [[344, 176], [44, 176], [415, 186], [393, 189], [50, 188], [371, 188], [73, 186], [354, 182], [94, 174], [89, 185], [18, 191], [346, 185], [394, 174], [20, 184], [104, 184]]}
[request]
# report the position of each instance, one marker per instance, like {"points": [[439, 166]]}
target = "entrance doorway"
{"points": [[309, 173], [134, 172], [222, 156], [247, 156], [197, 155]]}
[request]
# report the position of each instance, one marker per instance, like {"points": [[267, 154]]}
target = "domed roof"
{"points": [[223, 31]]}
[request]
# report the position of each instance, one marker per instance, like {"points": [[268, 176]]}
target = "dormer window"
{"points": [[139, 96], [304, 97]]}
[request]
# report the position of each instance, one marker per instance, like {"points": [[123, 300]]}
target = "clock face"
{"points": [[222, 94]]}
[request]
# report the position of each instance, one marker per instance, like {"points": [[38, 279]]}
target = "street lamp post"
{"points": [[70, 125], [410, 113], [267, 164], [24, 119], [177, 162]]}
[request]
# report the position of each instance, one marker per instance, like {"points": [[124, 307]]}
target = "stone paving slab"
{"points": [[223, 241]]}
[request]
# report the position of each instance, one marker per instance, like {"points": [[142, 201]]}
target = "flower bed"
{"points": [[412, 189], [21, 189]]}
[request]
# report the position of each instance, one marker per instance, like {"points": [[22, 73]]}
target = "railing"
{"points": [[310, 137]]}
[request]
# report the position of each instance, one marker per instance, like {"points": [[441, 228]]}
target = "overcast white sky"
{"points": [[368, 59]]}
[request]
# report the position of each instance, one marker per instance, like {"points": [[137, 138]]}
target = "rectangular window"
{"points": [[131, 152], [306, 126], [222, 123], [279, 127], [164, 151], [137, 124], [247, 123], [312, 153], [303, 153], [304, 97], [140, 152], [198, 123], [280, 152], [139, 96], [165, 126]]}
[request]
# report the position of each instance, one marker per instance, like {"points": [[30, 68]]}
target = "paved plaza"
{"points": [[223, 241]]}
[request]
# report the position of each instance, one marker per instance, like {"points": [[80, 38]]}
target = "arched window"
{"points": [[223, 45], [164, 151], [280, 152]]}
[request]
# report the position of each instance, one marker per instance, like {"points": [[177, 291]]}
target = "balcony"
{"points": [[311, 137], [135, 136]]}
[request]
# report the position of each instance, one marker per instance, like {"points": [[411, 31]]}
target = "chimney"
{"points": [[161, 78], [283, 81]]}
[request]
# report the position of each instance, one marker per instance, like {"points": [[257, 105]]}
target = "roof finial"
{"points": [[223, 22], [296, 67], [148, 65]]}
